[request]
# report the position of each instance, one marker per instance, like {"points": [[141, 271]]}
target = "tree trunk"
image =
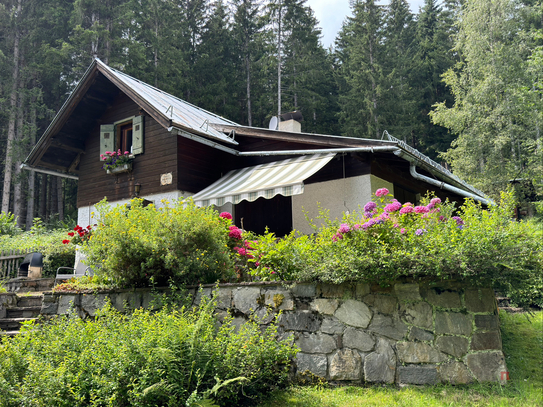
{"points": [[17, 182], [12, 118], [60, 199], [53, 201], [32, 176], [43, 196], [279, 60]]}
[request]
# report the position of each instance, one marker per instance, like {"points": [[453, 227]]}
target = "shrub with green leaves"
{"points": [[145, 246], [8, 224], [389, 239], [173, 358]]}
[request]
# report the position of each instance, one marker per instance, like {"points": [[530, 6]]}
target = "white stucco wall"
{"points": [[85, 217], [337, 196]]}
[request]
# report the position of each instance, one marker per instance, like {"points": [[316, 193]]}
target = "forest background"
{"points": [[461, 81]]}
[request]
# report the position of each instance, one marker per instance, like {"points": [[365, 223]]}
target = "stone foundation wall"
{"points": [[409, 333], [7, 300]]}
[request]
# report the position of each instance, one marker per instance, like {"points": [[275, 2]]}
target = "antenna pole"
{"points": [[279, 60]]}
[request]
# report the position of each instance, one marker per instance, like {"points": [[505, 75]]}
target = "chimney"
{"points": [[291, 122]]}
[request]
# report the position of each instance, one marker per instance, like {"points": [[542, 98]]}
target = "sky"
{"points": [[332, 13]]}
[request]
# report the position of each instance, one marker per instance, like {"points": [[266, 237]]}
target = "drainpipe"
{"points": [[447, 187]]}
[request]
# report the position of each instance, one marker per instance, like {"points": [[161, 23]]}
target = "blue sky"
{"points": [[331, 15]]}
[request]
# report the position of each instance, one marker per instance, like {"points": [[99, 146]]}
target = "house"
{"points": [[265, 177]]}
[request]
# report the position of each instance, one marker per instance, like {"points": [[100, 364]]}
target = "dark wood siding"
{"points": [[159, 157]]}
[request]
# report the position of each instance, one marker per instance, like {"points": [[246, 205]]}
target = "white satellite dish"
{"points": [[274, 121]]}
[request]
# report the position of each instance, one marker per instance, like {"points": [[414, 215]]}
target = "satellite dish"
{"points": [[273, 123]]}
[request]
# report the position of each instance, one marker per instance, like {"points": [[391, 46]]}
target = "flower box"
{"points": [[120, 169]]}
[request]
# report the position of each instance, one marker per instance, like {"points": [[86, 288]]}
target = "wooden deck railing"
{"points": [[9, 262]]}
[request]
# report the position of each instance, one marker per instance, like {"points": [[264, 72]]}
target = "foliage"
{"points": [[8, 224], [522, 345], [144, 359], [389, 240], [144, 246]]}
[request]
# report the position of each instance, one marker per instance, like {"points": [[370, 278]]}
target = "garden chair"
{"points": [[80, 269]]}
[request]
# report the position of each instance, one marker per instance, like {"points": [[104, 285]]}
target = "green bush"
{"points": [[8, 224], [144, 246], [389, 240], [145, 359]]}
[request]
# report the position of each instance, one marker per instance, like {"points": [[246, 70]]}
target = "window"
{"points": [[124, 135]]}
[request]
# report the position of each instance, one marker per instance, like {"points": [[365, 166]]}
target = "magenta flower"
{"points": [[403, 230], [225, 215], [421, 209], [393, 207], [435, 201], [406, 209], [370, 206], [458, 220], [381, 192], [356, 227], [344, 228], [235, 232]]}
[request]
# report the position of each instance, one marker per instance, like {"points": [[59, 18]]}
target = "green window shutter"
{"points": [[137, 135], [107, 138]]}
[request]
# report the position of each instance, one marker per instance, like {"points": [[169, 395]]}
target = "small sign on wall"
{"points": [[166, 179]]}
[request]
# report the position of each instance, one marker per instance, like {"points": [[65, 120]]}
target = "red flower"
{"points": [[65, 241], [71, 234]]}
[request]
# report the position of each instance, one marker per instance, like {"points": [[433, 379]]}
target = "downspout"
{"points": [[56, 174], [445, 186]]}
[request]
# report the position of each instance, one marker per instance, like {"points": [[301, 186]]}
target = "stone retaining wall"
{"points": [[409, 333], [7, 300]]}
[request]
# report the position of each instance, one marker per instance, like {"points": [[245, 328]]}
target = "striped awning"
{"points": [[285, 177]]}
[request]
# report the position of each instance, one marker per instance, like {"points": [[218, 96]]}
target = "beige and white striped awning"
{"points": [[285, 177]]}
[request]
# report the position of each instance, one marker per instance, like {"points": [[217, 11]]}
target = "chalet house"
{"points": [[264, 177]]}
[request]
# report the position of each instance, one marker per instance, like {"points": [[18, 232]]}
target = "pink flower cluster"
{"points": [[235, 232], [381, 192], [226, 215], [394, 206], [244, 251]]}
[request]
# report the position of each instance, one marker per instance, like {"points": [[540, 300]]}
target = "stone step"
{"points": [[8, 333], [23, 312], [24, 301], [12, 324]]}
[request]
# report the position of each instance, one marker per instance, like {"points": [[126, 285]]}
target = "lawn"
{"points": [[523, 347]]}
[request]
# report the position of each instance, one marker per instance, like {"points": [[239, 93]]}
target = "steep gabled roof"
{"points": [[62, 143]]}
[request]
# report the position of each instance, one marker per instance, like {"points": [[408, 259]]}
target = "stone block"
{"points": [[129, 300], [200, 293], [49, 308], [324, 306], [417, 334], [453, 323], [361, 290], [417, 375], [388, 326], [384, 304], [237, 322], [418, 314], [407, 292], [264, 315], [331, 325], [246, 299], [354, 313], [67, 301], [455, 373], [444, 298], [487, 322], [299, 321], [380, 366], [279, 299], [344, 290], [91, 303], [486, 341], [315, 364], [316, 343], [418, 352], [224, 298], [487, 366], [480, 300], [453, 345], [304, 290], [345, 364], [356, 339]]}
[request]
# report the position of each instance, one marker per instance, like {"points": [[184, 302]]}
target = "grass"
{"points": [[523, 347]]}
